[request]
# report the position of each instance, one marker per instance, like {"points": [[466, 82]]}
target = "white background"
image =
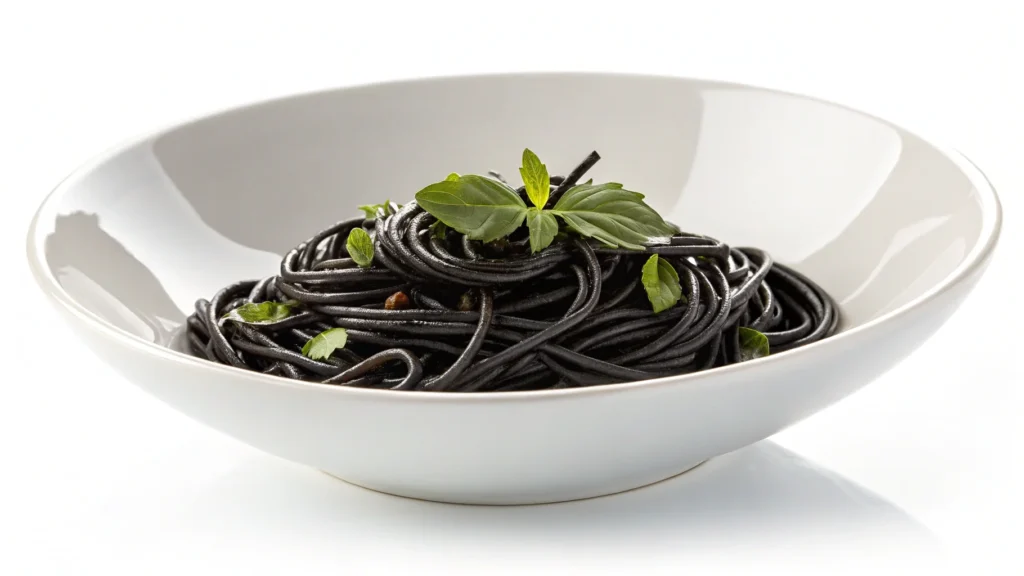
{"points": [[920, 469]]}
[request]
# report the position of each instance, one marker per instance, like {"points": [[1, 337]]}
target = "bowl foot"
{"points": [[455, 499]]}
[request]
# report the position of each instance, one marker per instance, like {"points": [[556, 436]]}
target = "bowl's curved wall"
{"points": [[874, 214]]}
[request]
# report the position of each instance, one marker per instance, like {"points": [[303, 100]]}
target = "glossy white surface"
{"points": [[895, 229]]}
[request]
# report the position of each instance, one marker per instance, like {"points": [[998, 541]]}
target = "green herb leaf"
{"points": [[453, 177], [371, 210], [753, 344], [543, 228], [324, 344], [262, 313], [536, 178], [479, 207], [467, 302], [661, 281], [360, 247], [439, 229], [613, 216]]}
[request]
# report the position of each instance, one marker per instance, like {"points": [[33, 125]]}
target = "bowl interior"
{"points": [[874, 214]]}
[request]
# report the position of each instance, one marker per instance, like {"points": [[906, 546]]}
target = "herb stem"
{"points": [[573, 177]]}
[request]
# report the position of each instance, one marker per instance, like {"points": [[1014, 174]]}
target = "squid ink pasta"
{"points": [[477, 286]]}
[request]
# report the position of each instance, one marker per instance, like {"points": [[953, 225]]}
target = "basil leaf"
{"points": [[453, 177], [360, 247], [753, 344], [262, 313], [611, 215], [479, 207], [543, 228], [439, 229], [661, 281], [536, 178], [321, 346]]}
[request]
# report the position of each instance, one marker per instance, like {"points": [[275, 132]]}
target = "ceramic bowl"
{"points": [[897, 229]]}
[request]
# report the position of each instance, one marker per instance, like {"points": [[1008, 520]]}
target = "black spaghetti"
{"points": [[438, 311]]}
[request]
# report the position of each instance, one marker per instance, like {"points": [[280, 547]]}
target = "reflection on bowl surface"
{"points": [[896, 229]]}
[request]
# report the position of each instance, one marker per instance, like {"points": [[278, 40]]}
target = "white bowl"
{"points": [[896, 229]]}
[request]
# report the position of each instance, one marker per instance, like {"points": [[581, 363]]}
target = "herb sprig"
{"points": [[486, 209], [387, 208]]}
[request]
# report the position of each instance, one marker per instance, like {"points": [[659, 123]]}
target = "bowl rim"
{"points": [[979, 254]]}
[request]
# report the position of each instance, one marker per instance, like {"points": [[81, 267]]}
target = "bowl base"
{"points": [[496, 501]]}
